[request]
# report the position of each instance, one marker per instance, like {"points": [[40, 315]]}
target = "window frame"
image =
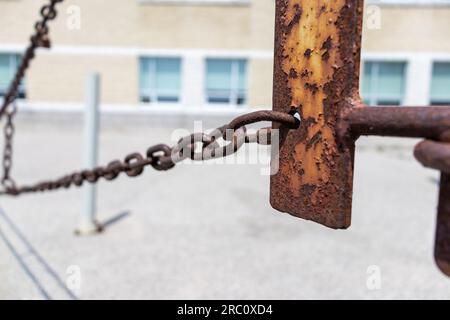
{"points": [[438, 102], [374, 98], [14, 62], [234, 96], [155, 98]]}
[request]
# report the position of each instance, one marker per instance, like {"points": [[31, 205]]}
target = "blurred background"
{"points": [[208, 231]]}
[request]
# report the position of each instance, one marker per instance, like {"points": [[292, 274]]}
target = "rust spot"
{"points": [[293, 73], [295, 19], [313, 87], [307, 53], [308, 189], [314, 140], [305, 73], [327, 45]]}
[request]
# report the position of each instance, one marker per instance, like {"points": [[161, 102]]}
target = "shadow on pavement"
{"points": [[108, 222], [31, 251]]}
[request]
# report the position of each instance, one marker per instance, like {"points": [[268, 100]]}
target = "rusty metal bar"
{"points": [[434, 155], [414, 122], [427, 122], [317, 65], [317, 61], [442, 242]]}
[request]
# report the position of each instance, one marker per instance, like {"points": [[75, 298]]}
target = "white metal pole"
{"points": [[88, 223]]}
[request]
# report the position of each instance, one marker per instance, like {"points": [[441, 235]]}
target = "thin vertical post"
{"points": [[89, 224]]}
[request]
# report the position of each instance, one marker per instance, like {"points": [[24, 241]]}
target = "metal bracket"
{"points": [[317, 67]]}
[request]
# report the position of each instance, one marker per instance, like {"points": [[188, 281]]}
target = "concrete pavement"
{"points": [[208, 231]]}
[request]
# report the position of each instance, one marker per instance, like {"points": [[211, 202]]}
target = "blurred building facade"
{"points": [[211, 55]]}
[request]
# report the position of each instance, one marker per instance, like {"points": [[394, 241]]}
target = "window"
{"points": [[440, 84], [226, 81], [8, 66], [383, 83], [160, 79]]}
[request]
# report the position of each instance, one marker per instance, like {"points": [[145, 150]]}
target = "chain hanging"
{"points": [[8, 132], [160, 157], [38, 40], [9, 108]]}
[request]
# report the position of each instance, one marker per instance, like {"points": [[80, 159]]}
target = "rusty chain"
{"points": [[8, 132], [162, 157], [38, 40]]}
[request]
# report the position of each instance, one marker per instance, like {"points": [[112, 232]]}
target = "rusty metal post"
{"points": [[317, 62], [317, 65], [442, 242], [411, 122], [436, 155]]}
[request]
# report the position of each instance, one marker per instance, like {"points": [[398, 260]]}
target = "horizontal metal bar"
{"points": [[415, 122], [435, 155]]}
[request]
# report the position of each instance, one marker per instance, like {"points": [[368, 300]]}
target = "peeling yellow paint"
{"points": [[310, 66]]}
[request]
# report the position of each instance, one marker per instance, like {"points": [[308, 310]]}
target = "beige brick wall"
{"points": [[125, 24], [56, 78], [410, 29], [260, 83], [61, 78]]}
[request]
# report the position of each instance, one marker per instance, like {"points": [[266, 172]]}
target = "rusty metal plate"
{"points": [[317, 60]]}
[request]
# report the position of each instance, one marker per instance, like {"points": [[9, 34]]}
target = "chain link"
{"points": [[162, 157]]}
